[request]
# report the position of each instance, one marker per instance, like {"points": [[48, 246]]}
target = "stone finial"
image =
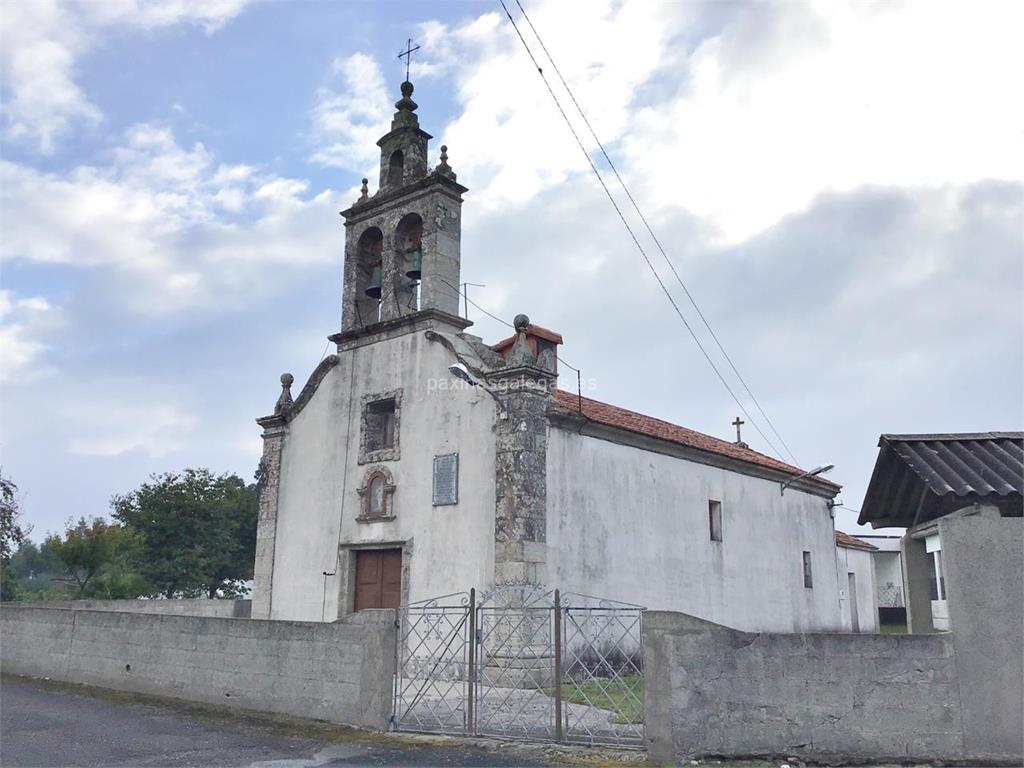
{"points": [[364, 193], [406, 103], [521, 353], [443, 168], [285, 400]]}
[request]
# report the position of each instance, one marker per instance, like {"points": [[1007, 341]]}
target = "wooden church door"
{"points": [[378, 578]]}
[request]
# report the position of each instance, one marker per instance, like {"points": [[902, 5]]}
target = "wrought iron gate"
{"points": [[524, 663]]}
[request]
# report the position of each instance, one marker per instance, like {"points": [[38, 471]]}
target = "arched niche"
{"points": [[375, 494]]}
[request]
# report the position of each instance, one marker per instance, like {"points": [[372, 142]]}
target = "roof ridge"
{"points": [[939, 436], [655, 418], [711, 444]]}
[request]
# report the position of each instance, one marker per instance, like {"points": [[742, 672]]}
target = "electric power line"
{"points": [[463, 295], [633, 236], [650, 231]]}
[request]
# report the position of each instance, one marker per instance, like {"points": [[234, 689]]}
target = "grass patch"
{"points": [[625, 698], [892, 629]]}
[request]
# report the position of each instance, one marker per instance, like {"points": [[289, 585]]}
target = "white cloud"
{"points": [[739, 113], [44, 39], [176, 228], [111, 428], [211, 15], [24, 325], [351, 112], [915, 94]]}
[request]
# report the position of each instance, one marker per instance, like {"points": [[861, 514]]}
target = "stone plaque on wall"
{"points": [[446, 479]]}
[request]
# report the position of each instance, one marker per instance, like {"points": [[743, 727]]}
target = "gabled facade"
{"points": [[389, 480]]}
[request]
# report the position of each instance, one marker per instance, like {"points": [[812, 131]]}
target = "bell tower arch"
{"points": [[402, 243]]}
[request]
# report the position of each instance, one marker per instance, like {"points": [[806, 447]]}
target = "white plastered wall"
{"points": [[632, 525], [452, 547]]}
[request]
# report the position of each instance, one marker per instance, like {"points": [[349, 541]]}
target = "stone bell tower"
{"points": [[402, 243]]}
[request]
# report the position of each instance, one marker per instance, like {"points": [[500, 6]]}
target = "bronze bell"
{"points": [[373, 289], [415, 270]]}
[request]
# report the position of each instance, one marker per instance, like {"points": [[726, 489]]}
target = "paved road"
{"points": [[48, 725]]}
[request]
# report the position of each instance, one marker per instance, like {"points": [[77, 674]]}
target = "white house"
{"points": [[855, 560], [388, 479], [889, 588]]}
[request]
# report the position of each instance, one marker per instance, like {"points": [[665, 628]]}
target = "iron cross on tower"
{"points": [[738, 423], [407, 55]]}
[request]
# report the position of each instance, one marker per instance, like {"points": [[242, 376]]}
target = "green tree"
{"points": [[34, 568], [88, 549], [198, 531], [11, 535]]}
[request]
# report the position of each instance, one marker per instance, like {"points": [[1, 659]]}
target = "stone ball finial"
{"points": [[444, 153], [406, 89], [521, 322], [286, 380]]}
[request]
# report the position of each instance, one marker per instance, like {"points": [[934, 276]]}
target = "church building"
{"points": [[420, 460]]}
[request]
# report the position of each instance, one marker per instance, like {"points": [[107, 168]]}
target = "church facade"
{"points": [[419, 460]]}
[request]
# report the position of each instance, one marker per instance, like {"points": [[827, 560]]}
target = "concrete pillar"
{"points": [[983, 561], [274, 431], [916, 571]]}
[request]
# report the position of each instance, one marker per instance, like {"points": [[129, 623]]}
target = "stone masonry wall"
{"points": [[711, 690], [341, 672], [520, 518]]}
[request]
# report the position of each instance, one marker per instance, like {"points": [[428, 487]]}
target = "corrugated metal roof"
{"points": [[979, 463], [920, 477]]}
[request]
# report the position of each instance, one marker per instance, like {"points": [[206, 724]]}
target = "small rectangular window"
{"points": [[715, 519], [808, 578], [380, 425]]}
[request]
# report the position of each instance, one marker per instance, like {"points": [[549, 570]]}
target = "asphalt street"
{"points": [[49, 725]]}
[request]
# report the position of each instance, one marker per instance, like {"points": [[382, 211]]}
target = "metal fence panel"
{"points": [[524, 663], [602, 681], [434, 665]]}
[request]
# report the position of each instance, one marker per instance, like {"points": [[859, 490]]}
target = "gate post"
{"points": [[558, 666], [471, 682]]}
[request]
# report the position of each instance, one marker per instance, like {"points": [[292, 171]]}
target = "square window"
{"points": [[808, 578], [380, 425], [715, 519], [379, 432]]}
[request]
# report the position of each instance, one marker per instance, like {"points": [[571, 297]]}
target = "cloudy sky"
{"points": [[841, 187]]}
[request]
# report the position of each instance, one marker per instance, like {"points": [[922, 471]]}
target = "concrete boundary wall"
{"points": [[236, 609], [341, 672], [715, 691], [711, 690]]}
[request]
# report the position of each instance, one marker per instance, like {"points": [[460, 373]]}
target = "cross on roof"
{"points": [[407, 55], [738, 423]]}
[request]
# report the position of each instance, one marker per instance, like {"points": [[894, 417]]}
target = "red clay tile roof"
{"points": [[852, 542], [531, 330], [614, 416]]}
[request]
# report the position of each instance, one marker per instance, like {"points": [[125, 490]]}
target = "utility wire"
{"points": [[632, 235], [650, 231], [463, 295]]}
